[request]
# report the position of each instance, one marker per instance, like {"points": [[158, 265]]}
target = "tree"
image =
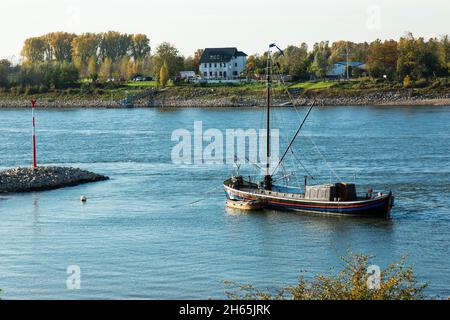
{"points": [[418, 59], [125, 68], [4, 73], [250, 66], [189, 64], [295, 61], [34, 50], [256, 65], [140, 46], [163, 74], [382, 59], [65, 75], [92, 69], [444, 53], [321, 54], [84, 49], [114, 45], [196, 60], [61, 46], [168, 54], [106, 69], [356, 51]]}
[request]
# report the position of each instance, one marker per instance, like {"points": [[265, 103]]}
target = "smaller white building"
{"points": [[222, 64], [187, 75]]}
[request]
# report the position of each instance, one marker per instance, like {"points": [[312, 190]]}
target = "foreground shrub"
{"points": [[397, 282]]}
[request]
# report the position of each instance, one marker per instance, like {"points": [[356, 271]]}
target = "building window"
{"points": [[220, 73], [210, 65], [224, 74], [205, 74], [235, 64], [215, 65], [210, 73], [235, 73]]}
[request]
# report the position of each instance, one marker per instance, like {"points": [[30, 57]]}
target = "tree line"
{"points": [[411, 57], [61, 60]]}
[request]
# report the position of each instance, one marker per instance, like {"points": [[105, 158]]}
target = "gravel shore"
{"points": [[44, 178], [213, 98]]}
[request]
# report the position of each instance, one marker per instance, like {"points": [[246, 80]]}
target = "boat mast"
{"points": [[269, 84], [268, 177]]}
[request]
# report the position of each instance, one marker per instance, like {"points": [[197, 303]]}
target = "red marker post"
{"points": [[33, 103]]}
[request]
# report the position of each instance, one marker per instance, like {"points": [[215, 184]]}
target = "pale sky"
{"points": [[248, 25]]}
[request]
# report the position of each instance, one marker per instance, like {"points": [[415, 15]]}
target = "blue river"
{"points": [[160, 230]]}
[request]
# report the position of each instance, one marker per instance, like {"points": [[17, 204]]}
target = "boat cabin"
{"points": [[331, 192]]}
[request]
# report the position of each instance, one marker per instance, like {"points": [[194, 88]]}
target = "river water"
{"points": [[160, 230]]}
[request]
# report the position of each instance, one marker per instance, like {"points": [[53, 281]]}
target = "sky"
{"points": [[249, 25]]}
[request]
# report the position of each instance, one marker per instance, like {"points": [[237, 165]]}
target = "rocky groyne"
{"points": [[44, 178]]}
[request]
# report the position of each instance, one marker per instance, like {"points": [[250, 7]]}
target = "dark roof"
{"points": [[220, 54]]}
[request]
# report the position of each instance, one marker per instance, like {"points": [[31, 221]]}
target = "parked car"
{"points": [[148, 78], [139, 78]]}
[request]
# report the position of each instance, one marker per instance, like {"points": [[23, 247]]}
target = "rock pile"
{"points": [[44, 178]]}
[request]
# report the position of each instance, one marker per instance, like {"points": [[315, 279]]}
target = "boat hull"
{"points": [[379, 206]]}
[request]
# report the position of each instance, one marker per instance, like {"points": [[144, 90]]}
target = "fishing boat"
{"points": [[338, 198]]}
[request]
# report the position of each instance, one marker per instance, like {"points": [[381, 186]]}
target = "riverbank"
{"points": [[225, 96], [44, 178]]}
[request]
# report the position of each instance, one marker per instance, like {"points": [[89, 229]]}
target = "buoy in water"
{"points": [[83, 199]]}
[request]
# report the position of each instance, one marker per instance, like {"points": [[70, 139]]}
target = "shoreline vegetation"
{"points": [[357, 279], [359, 92], [114, 69]]}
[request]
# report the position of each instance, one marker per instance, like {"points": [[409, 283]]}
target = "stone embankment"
{"points": [[206, 97], [44, 178]]}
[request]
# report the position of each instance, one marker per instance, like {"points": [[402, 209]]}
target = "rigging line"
{"points": [[298, 114], [295, 136], [324, 159], [294, 102], [201, 199], [304, 168]]}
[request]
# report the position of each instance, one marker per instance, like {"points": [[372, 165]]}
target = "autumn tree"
{"points": [[114, 45], [140, 46], [33, 50], [84, 50], [356, 51], [256, 65], [418, 58], [92, 68], [196, 60], [163, 74], [168, 54], [106, 69], [61, 46], [382, 59], [125, 68]]}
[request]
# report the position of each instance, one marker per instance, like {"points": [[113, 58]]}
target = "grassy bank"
{"points": [[333, 92]]}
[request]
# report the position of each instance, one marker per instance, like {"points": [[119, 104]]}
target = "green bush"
{"points": [[397, 282]]}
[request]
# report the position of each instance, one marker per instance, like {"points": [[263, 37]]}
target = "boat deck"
{"points": [[289, 195]]}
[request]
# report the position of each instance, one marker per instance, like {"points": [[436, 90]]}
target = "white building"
{"points": [[187, 75], [222, 63]]}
